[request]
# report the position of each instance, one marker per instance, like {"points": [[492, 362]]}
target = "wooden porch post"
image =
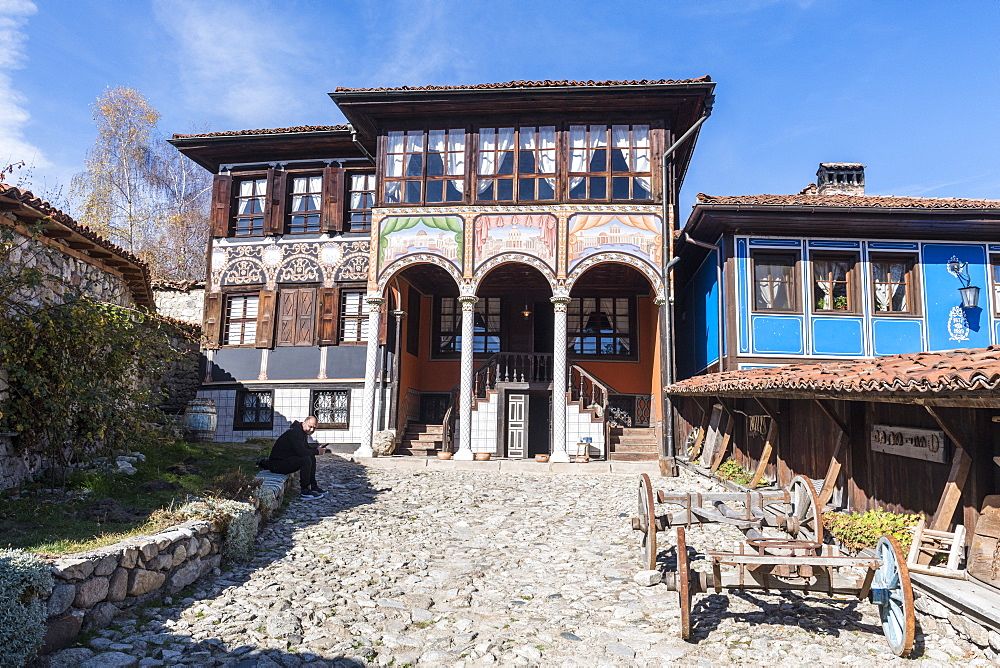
{"points": [[960, 467]]}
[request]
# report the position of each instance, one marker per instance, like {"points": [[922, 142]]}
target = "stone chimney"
{"points": [[840, 178]]}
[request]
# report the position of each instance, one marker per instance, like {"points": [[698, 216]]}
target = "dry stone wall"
{"points": [[92, 587], [183, 301]]}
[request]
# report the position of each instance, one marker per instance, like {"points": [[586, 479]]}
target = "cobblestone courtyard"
{"points": [[397, 567]]}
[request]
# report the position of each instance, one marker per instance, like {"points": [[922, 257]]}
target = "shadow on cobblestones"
{"points": [[157, 634]]}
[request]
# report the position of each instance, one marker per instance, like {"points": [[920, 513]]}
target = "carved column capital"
{"points": [[374, 303], [559, 303], [468, 302]]}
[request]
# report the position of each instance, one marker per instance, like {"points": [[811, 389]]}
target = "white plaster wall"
{"points": [[578, 425], [290, 404], [484, 426]]}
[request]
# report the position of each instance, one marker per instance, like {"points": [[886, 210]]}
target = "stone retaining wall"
{"points": [[92, 587]]}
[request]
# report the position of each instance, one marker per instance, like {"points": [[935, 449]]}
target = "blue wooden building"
{"points": [[832, 274]]}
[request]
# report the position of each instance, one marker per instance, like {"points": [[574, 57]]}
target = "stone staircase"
{"points": [[423, 440], [633, 444]]}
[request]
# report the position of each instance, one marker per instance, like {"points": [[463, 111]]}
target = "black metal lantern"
{"points": [[970, 296]]}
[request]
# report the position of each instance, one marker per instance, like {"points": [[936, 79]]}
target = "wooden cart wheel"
{"points": [[683, 584], [647, 522], [892, 592], [806, 517]]}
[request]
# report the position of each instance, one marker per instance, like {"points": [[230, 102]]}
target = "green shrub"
{"points": [[23, 579], [732, 471], [236, 517], [859, 530]]}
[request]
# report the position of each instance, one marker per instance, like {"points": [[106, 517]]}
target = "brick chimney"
{"points": [[840, 178]]}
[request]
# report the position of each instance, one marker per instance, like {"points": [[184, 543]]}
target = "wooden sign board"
{"points": [[928, 444], [984, 555]]}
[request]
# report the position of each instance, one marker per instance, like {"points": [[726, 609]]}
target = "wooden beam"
{"points": [[57, 233], [727, 435], [80, 245], [832, 471], [960, 467], [831, 413], [765, 455], [773, 414]]}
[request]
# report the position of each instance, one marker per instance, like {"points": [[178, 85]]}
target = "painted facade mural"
{"points": [[293, 262], [528, 234], [402, 236], [640, 235]]}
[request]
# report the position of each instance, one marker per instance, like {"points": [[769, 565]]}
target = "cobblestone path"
{"points": [[397, 567]]}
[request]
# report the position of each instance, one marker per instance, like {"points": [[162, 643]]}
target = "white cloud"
{"points": [[236, 60], [14, 115]]}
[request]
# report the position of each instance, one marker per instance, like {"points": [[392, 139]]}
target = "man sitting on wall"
{"points": [[293, 452]]}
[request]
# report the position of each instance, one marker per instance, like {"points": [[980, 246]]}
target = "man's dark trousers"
{"points": [[306, 466]]}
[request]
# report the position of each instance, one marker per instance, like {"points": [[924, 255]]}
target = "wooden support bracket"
{"points": [[960, 465], [765, 455]]}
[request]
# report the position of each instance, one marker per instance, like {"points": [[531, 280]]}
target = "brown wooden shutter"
{"points": [[222, 194], [332, 218], [305, 317], [274, 209], [265, 318], [286, 318], [213, 318], [329, 316]]}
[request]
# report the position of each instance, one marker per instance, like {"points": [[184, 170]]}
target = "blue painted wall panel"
{"points": [[742, 267], [948, 325], [293, 363], [777, 334], [837, 336], [346, 361], [236, 364], [699, 324], [895, 337]]}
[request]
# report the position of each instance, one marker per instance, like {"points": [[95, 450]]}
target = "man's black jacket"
{"points": [[293, 443]]}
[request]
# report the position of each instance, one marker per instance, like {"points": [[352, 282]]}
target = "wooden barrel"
{"points": [[200, 420]]}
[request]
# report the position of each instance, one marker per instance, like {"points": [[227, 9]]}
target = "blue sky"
{"points": [[911, 89]]}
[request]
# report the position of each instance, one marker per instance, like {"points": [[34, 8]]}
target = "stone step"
{"points": [[415, 452], [630, 447], [632, 431], [634, 456], [421, 437], [638, 440], [414, 428]]}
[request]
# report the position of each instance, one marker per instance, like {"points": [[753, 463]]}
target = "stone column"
{"points": [[559, 453], [465, 392], [374, 302]]}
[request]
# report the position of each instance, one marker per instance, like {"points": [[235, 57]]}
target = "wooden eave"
{"points": [[213, 152], [708, 222], [966, 399], [71, 242]]}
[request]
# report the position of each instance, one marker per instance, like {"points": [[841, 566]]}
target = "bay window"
{"points": [[425, 166]]}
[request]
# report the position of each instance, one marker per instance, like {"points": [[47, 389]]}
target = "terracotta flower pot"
{"points": [[444, 455], [541, 458], [482, 456]]}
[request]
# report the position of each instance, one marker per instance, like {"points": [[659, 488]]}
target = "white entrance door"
{"points": [[517, 425]]}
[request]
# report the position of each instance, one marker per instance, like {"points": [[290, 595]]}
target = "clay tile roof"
{"points": [[804, 198], [27, 198], [563, 83], [266, 131], [140, 287], [945, 372], [845, 165]]}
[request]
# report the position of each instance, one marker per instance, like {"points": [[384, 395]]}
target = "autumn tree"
{"points": [[139, 192]]}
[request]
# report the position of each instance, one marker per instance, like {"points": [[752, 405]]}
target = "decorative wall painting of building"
{"points": [[400, 236], [634, 234], [531, 234]]}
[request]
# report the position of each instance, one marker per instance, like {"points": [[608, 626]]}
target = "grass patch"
{"points": [[82, 518]]}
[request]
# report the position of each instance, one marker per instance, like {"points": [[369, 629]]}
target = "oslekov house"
{"points": [[479, 268]]}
